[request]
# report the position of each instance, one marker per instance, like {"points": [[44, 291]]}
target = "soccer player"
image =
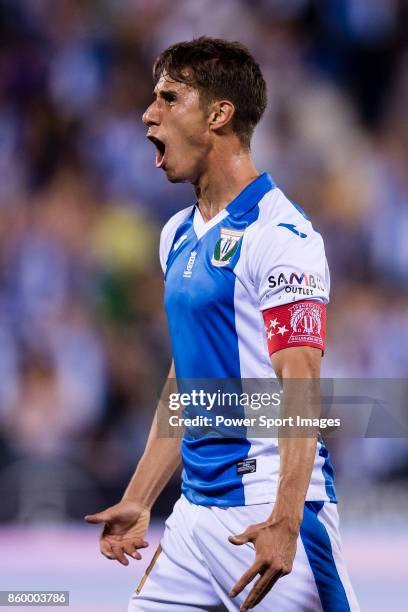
{"points": [[246, 284]]}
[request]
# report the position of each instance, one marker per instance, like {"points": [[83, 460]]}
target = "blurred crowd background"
{"points": [[84, 347]]}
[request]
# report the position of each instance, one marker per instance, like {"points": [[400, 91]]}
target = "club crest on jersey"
{"points": [[226, 246], [305, 321]]}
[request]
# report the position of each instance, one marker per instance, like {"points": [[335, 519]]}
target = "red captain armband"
{"points": [[296, 324]]}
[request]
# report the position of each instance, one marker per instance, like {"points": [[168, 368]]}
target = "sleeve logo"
{"points": [[302, 279], [226, 246], [292, 228]]}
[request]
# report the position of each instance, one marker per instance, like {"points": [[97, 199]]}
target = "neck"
{"points": [[224, 178]]}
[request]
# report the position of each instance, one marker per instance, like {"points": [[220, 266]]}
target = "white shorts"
{"points": [[195, 565]]}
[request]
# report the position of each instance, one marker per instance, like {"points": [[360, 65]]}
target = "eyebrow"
{"points": [[163, 93]]}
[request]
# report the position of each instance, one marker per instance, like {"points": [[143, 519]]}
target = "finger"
{"points": [[242, 538], [125, 542], [130, 549], [119, 555], [134, 552], [136, 555], [106, 549], [140, 544], [245, 579], [260, 589], [99, 517]]}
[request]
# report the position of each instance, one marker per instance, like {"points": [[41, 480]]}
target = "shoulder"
{"points": [[169, 231], [170, 227], [277, 213], [282, 227], [283, 256]]}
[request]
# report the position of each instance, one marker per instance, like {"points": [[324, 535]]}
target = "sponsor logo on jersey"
{"points": [[306, 324], [189, 267], [226, 246], [300, 283]]}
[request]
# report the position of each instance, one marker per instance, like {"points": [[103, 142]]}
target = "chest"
{"points": [[200, 272]]}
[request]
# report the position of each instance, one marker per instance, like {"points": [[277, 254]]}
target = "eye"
{"points": [[168, 96]]}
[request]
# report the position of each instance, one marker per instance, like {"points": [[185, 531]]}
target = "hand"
{"points": [[275, 549], [125, 527]]}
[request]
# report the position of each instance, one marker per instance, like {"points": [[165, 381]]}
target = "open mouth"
{"points": [[160, 150]]}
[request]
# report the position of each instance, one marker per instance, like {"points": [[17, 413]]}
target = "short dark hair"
{"points": [[219, 69]]}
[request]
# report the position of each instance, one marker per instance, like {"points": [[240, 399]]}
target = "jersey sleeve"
{"points": [[290, 275], [168, 233], [164, 248], [288, 264]]}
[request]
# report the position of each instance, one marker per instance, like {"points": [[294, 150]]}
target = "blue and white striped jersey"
{"points": [[260, 251]]}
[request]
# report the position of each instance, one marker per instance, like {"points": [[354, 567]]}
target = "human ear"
{"points": [[221, 114]]}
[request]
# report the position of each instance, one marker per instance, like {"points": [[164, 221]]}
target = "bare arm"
{"points": [[126, 523], [296, 453], [158, 463], [275, 539]]}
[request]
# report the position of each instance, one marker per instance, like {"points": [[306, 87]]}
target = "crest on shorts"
{"points": [[226, 246], [305, 321]]}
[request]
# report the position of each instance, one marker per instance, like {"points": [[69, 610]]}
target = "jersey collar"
{"points": [[251, 195]]}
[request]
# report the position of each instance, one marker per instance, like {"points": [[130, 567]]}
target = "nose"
{"points": [[151, 116]]}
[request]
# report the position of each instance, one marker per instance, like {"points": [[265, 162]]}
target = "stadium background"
{"points": [[83, 340]]}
